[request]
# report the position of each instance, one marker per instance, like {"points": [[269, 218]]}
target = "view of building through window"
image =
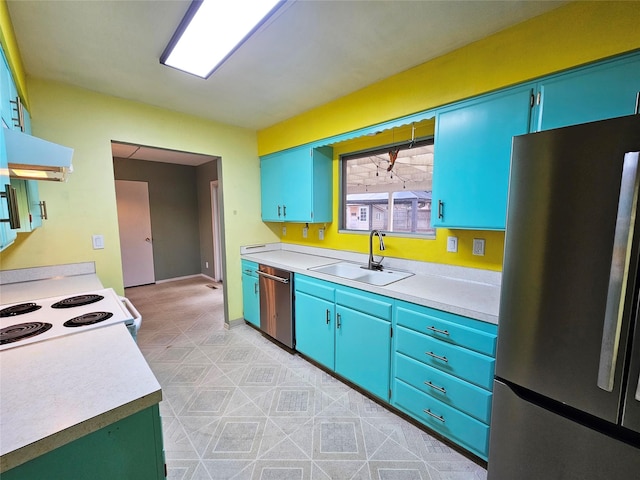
{"points": [[389, 189]]}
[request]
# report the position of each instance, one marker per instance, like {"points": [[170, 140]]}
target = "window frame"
{"points": [[383, 149]]}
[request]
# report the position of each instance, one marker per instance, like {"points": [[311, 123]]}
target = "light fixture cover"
{"points": [[212, 30]]}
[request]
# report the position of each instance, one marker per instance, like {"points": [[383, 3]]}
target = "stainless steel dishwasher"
{"points": [[276, 304]]}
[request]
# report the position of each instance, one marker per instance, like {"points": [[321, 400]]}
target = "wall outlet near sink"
{"points": [[478, 246], [452, 244]]}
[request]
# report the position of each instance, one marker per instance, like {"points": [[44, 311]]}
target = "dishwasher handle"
{"points": [[272, 277]]}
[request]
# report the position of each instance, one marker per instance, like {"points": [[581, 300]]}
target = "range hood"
{"points": [[32, 158]]}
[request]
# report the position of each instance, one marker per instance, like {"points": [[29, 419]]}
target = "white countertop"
{"points": [[52, 287], [456, 290], [55, 391]]}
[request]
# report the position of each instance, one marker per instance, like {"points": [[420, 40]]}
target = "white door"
{"points": [[134, 221], [217, 241]]}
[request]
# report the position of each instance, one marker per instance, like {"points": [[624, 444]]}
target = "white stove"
{"points": [[42, 319]]}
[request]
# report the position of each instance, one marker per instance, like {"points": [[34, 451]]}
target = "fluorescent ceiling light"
{"points": [[212, 30]]}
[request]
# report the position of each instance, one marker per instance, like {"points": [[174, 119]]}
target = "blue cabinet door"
{"points": [[271, 189], [250, 292], [251, 299], [296, 185], [598, 92], [363, 350], [315, 324], [7, 235], [472, 158]]}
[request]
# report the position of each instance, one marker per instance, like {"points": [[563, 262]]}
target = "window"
{"points": [[389, 189]]}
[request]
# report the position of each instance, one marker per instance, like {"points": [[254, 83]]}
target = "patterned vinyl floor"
{"points": [[236, 406]]}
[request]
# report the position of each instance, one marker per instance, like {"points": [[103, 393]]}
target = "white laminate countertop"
{"points": [[456, 293], [52, 287], [55, 391]]}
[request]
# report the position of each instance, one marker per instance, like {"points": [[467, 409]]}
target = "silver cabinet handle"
{"points": [[437, 417], [278, 210], [619, 272], [431, 354], [272, 277], [440, 389], [328, 316], [248, 271], [434, 329], [12, 207], [284, 210], [255, 288], [338, 322], [637, 103], [43, 210], [440, 209]]}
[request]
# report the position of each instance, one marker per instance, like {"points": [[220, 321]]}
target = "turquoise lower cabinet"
{"points": [[444, 419], [250, 293], [315, 319], [472, 157], [128, 449], [605, 90], [346, 330], [443, 367]]}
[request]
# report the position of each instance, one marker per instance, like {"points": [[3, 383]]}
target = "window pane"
{"points": [[376, 183]]}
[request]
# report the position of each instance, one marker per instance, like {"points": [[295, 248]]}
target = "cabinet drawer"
{"points": [[457, 361], [457, 393], [249, 268], [315, 287], [453, 424], [369, 303], [440, 325]]}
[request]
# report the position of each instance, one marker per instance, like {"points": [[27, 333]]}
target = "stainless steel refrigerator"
{"points": [[566, 399]]}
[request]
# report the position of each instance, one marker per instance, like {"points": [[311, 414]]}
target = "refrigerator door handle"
{"points": [[619, 272]]}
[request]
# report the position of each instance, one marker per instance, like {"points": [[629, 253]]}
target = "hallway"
{"points": [[238, 407]]}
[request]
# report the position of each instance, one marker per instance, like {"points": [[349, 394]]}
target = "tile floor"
{"points": [[238, 407]]}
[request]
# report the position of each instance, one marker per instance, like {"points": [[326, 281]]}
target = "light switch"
{"points": [[98, 242]]}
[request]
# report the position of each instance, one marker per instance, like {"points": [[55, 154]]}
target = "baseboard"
{"points": [[236, 322], [187, 277]]}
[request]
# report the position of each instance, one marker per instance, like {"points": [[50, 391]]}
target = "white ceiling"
{"points": [[309, 53]]}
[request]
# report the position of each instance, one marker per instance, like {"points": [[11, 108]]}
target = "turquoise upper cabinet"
{"points": [[296, 185], [250, 293], [597, 92], [472, 156], [7, 234], [32, 210]]}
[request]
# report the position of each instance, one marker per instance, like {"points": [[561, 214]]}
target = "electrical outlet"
{"points": [[206, 264], [452, 244], [321, 234], [305, 232], [478, 246], [284, 231]]}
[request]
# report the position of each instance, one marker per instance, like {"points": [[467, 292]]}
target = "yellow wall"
{"points": [[86, 205], [572, 35]]}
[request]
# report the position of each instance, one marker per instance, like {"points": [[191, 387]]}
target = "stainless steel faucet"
{"points": [[373, 265]]}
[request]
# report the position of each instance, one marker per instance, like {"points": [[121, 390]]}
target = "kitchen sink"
{"points": [[359, 273]]}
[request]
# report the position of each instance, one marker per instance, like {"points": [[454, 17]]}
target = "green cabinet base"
{"points": [[130, 448]]}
